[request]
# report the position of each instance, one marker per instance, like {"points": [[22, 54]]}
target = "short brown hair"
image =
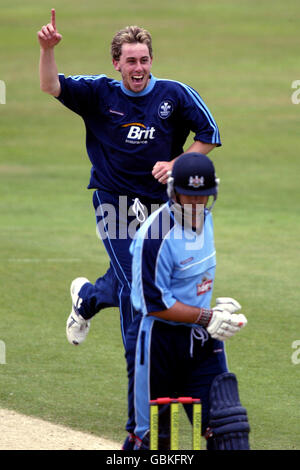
{"points": [[130, 34]]}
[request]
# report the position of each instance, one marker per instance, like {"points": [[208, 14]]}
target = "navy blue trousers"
{"points": [[116, 226], [173, 361]]}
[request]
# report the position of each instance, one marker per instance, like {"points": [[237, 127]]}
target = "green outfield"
{"points": [[242, 57]]}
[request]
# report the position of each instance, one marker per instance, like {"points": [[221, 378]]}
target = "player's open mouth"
{"points": [[137, 78]]}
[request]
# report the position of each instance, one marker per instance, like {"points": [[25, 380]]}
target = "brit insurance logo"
{"points": [[138, 133], [165, 109]]}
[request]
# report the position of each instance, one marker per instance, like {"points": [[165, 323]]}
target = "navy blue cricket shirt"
{"points": [[127, 133]]}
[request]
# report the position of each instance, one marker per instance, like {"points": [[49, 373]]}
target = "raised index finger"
{"points": [[53, 19]]}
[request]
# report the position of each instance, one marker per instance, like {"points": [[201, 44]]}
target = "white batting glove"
{"points": [[225, 322], [229, 304]]}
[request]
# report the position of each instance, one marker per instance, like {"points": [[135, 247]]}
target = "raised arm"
{"points": [[48, 38]]}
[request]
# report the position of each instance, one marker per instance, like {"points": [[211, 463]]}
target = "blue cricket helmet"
{"points": [[193, 173]]}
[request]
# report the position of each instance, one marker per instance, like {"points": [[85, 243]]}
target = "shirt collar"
{"points": [[144, 92]]}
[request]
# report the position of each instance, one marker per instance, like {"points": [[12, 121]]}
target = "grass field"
{"points": [[242, 56]]}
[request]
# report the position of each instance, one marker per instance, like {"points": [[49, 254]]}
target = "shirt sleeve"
{"points": [[156, 270], [198, 116], [76, 92]]}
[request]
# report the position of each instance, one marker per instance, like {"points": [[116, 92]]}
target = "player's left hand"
{"points": [[161, 171], [225, 322]]}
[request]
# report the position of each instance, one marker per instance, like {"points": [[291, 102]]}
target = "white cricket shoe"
{"points": [[77, 327]]}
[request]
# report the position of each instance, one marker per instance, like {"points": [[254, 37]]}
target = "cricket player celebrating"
{"points": [[180, 345], [135, 128]]}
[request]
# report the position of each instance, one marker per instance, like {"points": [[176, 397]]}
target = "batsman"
{"points": [[180, 347]]}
